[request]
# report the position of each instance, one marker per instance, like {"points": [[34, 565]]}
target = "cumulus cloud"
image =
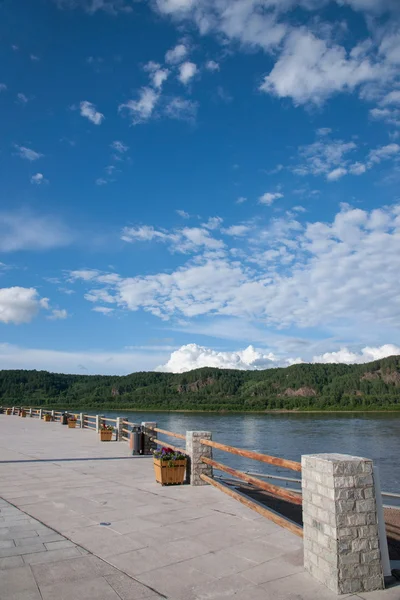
{"points": [[142, 109], [290, 273], [212, 66], [20, 305], [181, 109], [88, 110], [186, 72], [193, 356], [268, 198], [176, 54], [237, 230], [57, 313], [28, 153], [158, 75], [23, 230], [3, 87], [336, 174], [119, 147], [38, 179], [22, 99]]}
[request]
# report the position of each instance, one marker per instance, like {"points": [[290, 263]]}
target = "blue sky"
{"points": [[198, 183]]}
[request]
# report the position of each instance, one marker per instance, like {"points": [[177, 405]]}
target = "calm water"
{"points": [[375, 436]]}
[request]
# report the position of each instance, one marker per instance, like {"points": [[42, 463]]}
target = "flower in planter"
{"points": [[169, 455], [106, 428]]}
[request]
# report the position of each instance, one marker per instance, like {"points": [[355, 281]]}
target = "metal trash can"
{"points": [[64, 419], [135, 441]]}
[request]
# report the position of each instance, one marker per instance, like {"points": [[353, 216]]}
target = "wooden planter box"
{"points": [[71, 423], [47, 418], [166, 474], [105, 436], [23, 413], [8, 411]]}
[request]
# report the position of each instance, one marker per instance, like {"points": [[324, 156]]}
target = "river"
{"points": [[289, 435]]}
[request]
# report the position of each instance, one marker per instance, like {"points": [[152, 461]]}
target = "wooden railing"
{"points": [[167, 444], [271, 489]]}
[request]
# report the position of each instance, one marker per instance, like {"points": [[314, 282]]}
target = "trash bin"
{"points": [[135, 442], [64, 419]]}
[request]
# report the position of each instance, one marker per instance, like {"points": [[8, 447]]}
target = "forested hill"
{"points": [[305, 386]]}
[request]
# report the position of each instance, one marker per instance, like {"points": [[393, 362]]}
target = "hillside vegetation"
{"points": [[374, 385]]}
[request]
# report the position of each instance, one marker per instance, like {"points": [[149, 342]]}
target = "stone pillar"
{"points": [[119, 426], [196, 451], [12, 410], [30, 412], [341, 541], [98, 422], [147, 430], [81, 421], [40, 414], [52, 415]]}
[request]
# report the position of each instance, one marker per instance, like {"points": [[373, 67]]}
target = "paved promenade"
{"points": [[84, 520]]}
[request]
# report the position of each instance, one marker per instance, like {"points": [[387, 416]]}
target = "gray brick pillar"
{"points": [[30, 412], [52, 414], [81, 421], [119, 427], [40, 414], [196, 451], [149, 446], [12, 410], [98, 422], [341, 540]]}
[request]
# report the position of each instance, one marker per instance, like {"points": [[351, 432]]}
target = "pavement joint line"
{"points": [[160, 594]]}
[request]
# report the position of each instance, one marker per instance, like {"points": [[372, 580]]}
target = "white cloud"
{"points": [[290, 274], [34, 58], [80, 361], [324, 156], [213, 223], [119, 147], [101, 181], [181, 109], [20, 305], [23, 230], [268, 198], [58, 314], [158, 75], [236, 230], [38, 179], [367, 354], [89, 111], [309, 70], [212, 66], [142, 109], [177, 54], [3, 87], [28, 153], [357, 168], [336, 174], [183, 214], [384, 152], [324, 131], [22, 99], [241, 200], [193, 356], [391, 98], [186, 72], [105, 310], [391, 116]]}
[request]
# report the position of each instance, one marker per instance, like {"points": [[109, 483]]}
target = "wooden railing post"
{"points": [[81, 420], [196, 450], [147, 430]]}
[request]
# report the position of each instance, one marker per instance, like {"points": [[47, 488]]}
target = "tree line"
{"points": [[374, 385]]}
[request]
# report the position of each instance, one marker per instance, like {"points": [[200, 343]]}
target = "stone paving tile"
{"points": [[129, 589], [173, 580], [16, 580], [220, 564], [140, 561], [11, 562], [392, 593], [89, 589], [71, 570], [50, 556], [299, 587], [276, 568]]}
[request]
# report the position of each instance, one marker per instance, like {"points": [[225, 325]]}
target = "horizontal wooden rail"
{"points": [[265, 512], [272, 460], [269, 476], [89, 418], [90, 427], [125, 430], [108, 419], [170, 433], [274, 490], [131, 424], [124, 438], [175, 448]]}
